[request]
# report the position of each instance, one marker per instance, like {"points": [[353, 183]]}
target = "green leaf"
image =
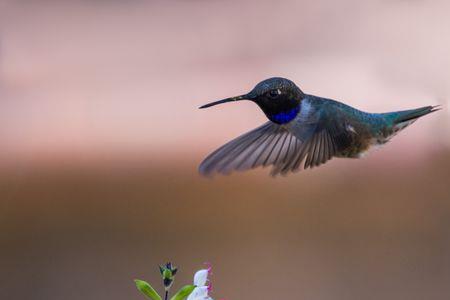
{"points": [[147, 289], [183, 292]]}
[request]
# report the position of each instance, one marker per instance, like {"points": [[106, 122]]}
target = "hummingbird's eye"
{"points": [[274, 93]]}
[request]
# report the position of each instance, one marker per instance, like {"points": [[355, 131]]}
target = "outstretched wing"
{"points": [[269, 144], [311, 138], [316, 150]]}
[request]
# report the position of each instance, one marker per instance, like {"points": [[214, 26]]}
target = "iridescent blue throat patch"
{"points": [[286, 116]]}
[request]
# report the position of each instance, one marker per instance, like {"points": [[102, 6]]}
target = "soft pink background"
{"points": [[89, 78], [101, 138]]}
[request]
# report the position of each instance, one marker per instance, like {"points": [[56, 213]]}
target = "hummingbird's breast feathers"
{"points": [[346, 127], [308, 111]]}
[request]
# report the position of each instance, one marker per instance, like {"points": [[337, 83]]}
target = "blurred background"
{"points": [[101, 138]]}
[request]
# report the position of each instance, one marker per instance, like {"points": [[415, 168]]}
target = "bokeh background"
{"points": [[101, 138]]}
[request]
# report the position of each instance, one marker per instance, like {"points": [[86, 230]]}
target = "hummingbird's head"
{"points": [[279, 98]]}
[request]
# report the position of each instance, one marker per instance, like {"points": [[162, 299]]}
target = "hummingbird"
{"points": [[304, 129]]}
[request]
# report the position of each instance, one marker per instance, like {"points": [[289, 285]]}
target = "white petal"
{"points": [[199, 293], [201, 277]]}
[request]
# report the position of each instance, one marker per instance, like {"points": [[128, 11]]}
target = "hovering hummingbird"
{"points": [[305, 128]]}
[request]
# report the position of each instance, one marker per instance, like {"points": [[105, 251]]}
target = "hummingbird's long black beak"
{"points": [[237, 98]]}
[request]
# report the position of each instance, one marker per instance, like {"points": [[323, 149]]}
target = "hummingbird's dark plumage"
{"points": [[304, 128]]}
